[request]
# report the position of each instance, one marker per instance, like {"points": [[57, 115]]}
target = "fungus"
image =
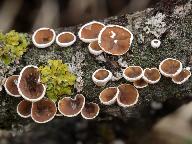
{"points": [[71, 107], [24, 109], [43, 37], [141, 83], [170, 67], [11, 86], [90, 110], [101, 76], [115, 40], [155, 43], [152, 75], [182, 77], [128, 95], [43, 111], [65, 39], [94, 48], [29, 85], [109, 95], [90, 31], [133, 73]]}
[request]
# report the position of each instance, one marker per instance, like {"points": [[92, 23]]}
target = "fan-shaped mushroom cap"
{"points": [[43, 111], [182, 77], [90, 110], [133, 73], [109, 95], [128, 95], [90, 31], [141, 83], [11, 86], [170, 67], [115, 39], [152, 75], [65, 39], [29, 85], [94, 48], [24, 109], [71, 107], [101, 76], [43, 37]]}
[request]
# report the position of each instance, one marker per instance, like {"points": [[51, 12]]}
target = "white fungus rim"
{"points": [[95, 114], [129, 105], [68, 43], [185, 79], [155, 45], [20, 92], [23, 116], [89, 23], [46, 44], [94, 52], [7, 91], [51, 118], [170, 75], [133, 79], [109, 26], [71, 99], [150, 81]]}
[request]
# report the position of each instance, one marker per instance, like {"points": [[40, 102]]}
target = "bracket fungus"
{"points": [[65, 39], [152, 75], [90, 31], [24, 109], [141, 83], [170, 67], [182, 77], [109, 95], [94, 48], [43, 37], [128, 95], [115, 39], [155, 43], [29, 85], [71, 107], [133, 73], [11, 86], [90, 110], [101, 76], [43, 111]]}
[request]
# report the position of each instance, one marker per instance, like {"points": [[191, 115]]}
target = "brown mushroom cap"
{"points": [[182, 77], [133, 73], [43, 110], [101, 74], [170, 67], [24, 109], [90, 110], [66, 38], [28, 84], [140, 83], [11, 86], [115, 40], [95, 46], [44, 36], [152, 75], [128, 95], [71, 107]]}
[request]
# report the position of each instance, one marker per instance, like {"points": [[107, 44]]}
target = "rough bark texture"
{"points": [[171, 24]]}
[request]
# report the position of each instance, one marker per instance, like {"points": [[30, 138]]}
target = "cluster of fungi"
{"points": [[111, 39]]}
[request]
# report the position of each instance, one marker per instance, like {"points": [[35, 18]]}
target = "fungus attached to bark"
{"points": [[128, 95], [182, 77], [29, 85], [90, 110], [115, 40], [90, 31], [170, 67], [24, 109], [133, 73], [141, 83], [11, 86], [65, 39], [71, 107], [109, 95], [152, 75], [101, 76], [155, 43], [94, 48], [43, 111], [43, 37]]}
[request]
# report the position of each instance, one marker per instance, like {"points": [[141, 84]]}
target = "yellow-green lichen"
{"points": [[58, 79]]}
